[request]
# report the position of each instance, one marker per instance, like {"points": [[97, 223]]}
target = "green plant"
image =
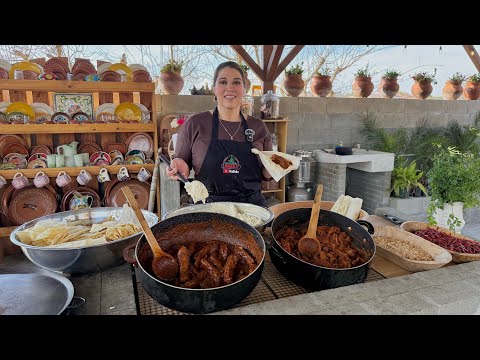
{"points": [[457, 78], [463, 137], [424, 76], [406, 177], [295, 70], [363, 72], [244, 67], [474, 78], [172, 66], [391, 74], [323, 72], [454, 177]]}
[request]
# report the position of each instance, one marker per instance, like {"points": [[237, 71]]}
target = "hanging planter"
{"points": [[170, 80], [453, 87], [362, 86], [472, 87], [293, 82], [422, 88], [389, 87], [321, 84]]}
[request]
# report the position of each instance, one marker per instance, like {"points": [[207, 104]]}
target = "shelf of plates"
{"points": [[280, 126], [31, 91]]}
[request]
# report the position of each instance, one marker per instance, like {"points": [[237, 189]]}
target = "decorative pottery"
{"points": [[422, 89], [171, 83], [388, 88], [293, 84], [452, 90], [321, 85], [362, 87], [472, 90]]}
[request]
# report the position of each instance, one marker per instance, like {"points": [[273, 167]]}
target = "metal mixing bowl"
{"points": [[80, 260], [266, 215]]}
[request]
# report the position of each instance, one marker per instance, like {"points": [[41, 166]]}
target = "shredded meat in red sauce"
{"points": [[284, 163], [209, 256], [336, 247]]}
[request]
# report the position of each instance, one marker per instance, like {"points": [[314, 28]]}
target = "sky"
{"points": [[414, 58]]}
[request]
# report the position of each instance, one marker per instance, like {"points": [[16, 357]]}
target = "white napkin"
{"points": [[276, 170]]}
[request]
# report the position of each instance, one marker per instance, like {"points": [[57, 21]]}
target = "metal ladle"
{"points": [[309, 245], [164, 265]]}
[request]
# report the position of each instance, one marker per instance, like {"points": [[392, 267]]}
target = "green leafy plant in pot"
{"points": [[454, 183], [404, 178]]}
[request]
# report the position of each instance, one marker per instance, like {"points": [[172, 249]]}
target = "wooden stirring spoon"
{"points": [[309, 245], [164, 265]]}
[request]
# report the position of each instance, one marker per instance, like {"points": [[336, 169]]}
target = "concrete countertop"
{"points": [[361, 159]]}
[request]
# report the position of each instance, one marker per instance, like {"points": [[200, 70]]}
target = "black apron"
{"points": [[230, 171]]}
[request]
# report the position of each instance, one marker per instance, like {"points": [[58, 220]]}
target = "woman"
{"points": [[218, 143]]}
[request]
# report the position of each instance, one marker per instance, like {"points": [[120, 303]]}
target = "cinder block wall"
{"points": [[373, 188], [322, 122]]}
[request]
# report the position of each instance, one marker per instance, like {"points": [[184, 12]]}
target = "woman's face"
{"points": [[229, 88]]}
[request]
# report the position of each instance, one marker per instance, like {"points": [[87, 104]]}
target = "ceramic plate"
{"points": [[3, 73], [7, 139], [42, 149], [16, 148], [30, 203], [140, 141], [72, 103], [5, 65], [24, 65], [128, 111], [36, 164], [89, 147], [39, 107], [4, 105], [103, 67], [84, 190], [121, 69], [134, 67], [140, 190], [22, 107], [106, 108]]}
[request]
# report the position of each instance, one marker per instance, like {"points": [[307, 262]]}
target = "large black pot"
{"points": [[196, 301], [315, 277]]}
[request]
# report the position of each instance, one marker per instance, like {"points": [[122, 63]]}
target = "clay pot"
{"points": [[362, 87], [452, 90], [293, 84], [321, 85], [422, 89], [388, 88], [472, 90], [171, 83]]}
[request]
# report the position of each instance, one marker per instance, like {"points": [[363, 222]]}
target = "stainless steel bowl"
{"points": [[80, 260], [266, 215]]}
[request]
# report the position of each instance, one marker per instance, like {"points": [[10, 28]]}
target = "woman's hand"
{"points": [[177, 164]]}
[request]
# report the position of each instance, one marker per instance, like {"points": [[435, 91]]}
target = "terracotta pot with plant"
{"points": [[321, 84], [362, 86], [170, 80], [389, 87], [293, 82], [248, 84], [472, 87], [453, 87], [422, 88]]}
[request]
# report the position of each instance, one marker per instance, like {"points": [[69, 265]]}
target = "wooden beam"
{"points": [[272, 65], [288, 59], [250, 62], [473, 55], [267, 52]]}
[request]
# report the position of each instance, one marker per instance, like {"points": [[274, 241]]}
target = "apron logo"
{"points": [[249, 133], [231, 165]]}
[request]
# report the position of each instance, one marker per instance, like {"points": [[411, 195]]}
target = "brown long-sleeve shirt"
{"points": [[195, 134]]}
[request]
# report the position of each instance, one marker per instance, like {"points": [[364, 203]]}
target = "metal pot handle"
{"points": [[277, 253], [268, 239], [369, 226], [76, 302], [127, 257]]}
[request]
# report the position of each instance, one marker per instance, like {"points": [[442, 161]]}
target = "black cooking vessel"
{"points": [[315, 277], [196, 301]]}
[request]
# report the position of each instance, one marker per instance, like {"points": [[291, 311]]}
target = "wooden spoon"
{"points": [[164, 265], [309, 245]]}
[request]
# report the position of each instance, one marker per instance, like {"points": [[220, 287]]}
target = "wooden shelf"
{"points": [[276, 120], [75, 86], [272, 191], [74, 128], [74, 171]]}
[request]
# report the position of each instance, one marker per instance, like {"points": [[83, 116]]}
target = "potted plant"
{"points": [[422, 88], [170, 80], [472, 87], [406, 178], [321, 84], [362, 86], [453, 87], [248, 84], [454, 185], [293, 82], [389, 87]]}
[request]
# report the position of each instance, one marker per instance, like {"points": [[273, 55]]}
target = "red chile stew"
{"points": [[449, 242], [336, 247]]}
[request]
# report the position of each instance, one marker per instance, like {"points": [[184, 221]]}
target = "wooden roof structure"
{"points": [[272, 67]]}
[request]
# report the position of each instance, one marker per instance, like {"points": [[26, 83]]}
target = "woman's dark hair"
{"points": [[230, 64]]}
